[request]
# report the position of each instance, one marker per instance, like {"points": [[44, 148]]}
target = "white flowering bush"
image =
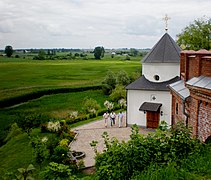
{"points": [[73, 114], [122, 102], [44, 139], [108, 105], [53, 126]]}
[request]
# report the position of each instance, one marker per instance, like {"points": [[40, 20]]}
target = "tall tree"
{"points": [[99, 52], [8, 50], [196, 36]]}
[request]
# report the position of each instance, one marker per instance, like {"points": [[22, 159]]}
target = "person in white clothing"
{"points": [[112, 117], [106, 117], [120, 117]]}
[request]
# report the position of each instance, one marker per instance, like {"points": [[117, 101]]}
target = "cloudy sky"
{"points": [[89, 23]]}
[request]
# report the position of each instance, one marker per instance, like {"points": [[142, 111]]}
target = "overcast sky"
{"points": [[90, 23]]}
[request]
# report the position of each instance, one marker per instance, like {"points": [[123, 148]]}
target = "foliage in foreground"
{"points": [[195, 167], [122, 160]]}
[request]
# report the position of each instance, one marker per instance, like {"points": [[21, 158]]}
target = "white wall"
{"points": [[165, 71], [135, 98]]}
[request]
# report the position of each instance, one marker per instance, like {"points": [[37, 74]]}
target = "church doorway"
{"points": [[152, 111], [152, 119]]}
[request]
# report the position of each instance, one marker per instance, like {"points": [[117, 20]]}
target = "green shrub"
{"points": [[107, 89], [14, 131], [122, 78], [160, 147], [28, 121], [109, 83], [60, 154], [92, 115], [44, 128], [56, 171], [196, 166], [64, 142], [118, 93], [90, 105]]}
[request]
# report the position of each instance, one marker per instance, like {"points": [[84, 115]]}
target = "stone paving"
{"points": [[93, 131]]}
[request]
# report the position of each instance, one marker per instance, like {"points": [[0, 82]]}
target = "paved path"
{"points": [[93, 131]]}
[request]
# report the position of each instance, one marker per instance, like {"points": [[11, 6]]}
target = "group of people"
{"points": [[112, 117]]}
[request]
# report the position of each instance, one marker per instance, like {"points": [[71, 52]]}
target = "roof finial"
{"points": [[166, 18]]}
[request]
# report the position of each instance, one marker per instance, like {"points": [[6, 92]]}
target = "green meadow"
{"points": [[18, 77], [23, 76]]}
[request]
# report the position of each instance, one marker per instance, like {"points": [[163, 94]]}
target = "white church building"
{"points": [[149, 98]]}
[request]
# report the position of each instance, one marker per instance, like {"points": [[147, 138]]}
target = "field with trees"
{"points": [[51, 90], [45, 92]]}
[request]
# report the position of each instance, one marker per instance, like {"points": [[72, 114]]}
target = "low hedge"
{"points": [[37, 94]]}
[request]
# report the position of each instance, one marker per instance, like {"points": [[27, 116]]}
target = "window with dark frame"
{"points": [[177, 108]]}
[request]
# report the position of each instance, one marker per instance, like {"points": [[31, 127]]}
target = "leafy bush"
{"points": [[41, 152], [29, 121], [55, 170], [134, 76], [14, 131], [122, 78], [109, 83], [118, 93], [196, 166], [91, 105], [160, 147], [64, 142], [60, 154]]}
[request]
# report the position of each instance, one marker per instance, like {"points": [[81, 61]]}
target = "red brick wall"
{"points": [[198, 105], [193, 119], [200, 112], [192, 67], [206, 67], [204, 119], [195, 64], [177, 117]]}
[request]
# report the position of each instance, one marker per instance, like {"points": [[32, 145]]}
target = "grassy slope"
{"points": [[18, 153]]}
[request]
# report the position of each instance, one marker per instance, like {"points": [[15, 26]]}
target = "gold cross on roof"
{"points": [[166, 18]]}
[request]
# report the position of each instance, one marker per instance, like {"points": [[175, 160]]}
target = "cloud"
{"points": [[84, 24]]}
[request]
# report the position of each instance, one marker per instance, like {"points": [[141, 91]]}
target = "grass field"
{"points": [[55, 106], [19, 77]]}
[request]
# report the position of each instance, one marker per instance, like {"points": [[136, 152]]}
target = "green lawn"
{"points": [[56, 106], [19, 77]]}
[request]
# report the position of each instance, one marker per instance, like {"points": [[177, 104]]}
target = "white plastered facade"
{"points": [[136, 97], [165, 71]]}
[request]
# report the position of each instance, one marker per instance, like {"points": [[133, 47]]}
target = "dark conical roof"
{"points": [[144, 84], [165, 51]]}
